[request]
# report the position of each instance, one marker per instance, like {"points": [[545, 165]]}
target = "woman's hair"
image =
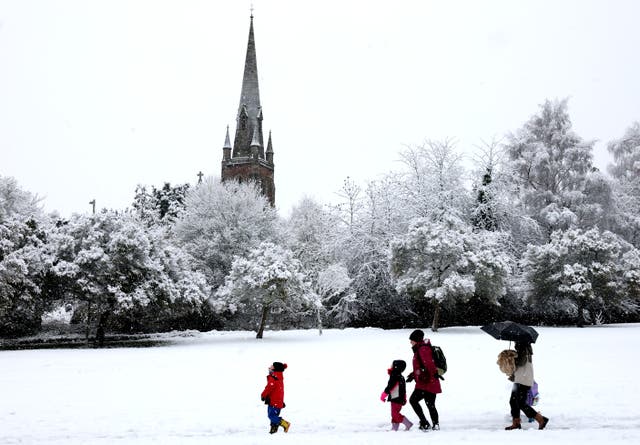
{"points": [[525, 352]]}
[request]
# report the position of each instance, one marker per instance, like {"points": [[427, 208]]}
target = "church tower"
{"points": [[247, 159]]}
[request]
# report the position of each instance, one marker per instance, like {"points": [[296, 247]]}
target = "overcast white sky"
{"points": [[99, 96]]}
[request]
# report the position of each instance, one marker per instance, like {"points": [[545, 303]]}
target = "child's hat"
{"points": [[399, 365], [279, 367]]}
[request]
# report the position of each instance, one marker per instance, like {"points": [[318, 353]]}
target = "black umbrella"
{"points": [[512, 331]]}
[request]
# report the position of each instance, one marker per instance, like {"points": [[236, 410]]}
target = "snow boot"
{"points": [[407, 424], [515, 425], [394, 426], [424, 426], [542, 421], [284, 424], [436, 427], [274, 428]]}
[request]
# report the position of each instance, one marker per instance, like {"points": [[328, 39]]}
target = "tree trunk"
{"points": [[581, 319], [88, 327], [263, 321], [436, 316]]}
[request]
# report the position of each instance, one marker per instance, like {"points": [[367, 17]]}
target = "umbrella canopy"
{"points": [[512, 331]]}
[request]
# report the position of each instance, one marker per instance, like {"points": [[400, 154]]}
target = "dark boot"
{"points": [[284, 424], [424, 426], [542, 421], [515, 425], [407, 423], [274, 429]]}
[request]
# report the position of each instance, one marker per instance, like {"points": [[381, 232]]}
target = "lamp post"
{"points": [[93, 203]]}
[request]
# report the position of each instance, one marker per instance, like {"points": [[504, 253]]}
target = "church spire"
{"points": [[269, 150], [226, 150], [249, 110], [246, 160]]}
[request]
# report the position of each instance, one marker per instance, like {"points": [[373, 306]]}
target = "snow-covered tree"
{"points": [[626, 171], [630, 280], [493, 263], [626, 154], [110, 263], [312, 235], [14, 201], [267, 279], [23, 270], [551, 164], [433, 181], [361, 243], [433, 260], [161, 205], [223, 220], [333, 288], [576, 273], [492, 207], [351, 203]]}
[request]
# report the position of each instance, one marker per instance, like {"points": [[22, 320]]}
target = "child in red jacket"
{"points": [[273, 396], [396, 393]]}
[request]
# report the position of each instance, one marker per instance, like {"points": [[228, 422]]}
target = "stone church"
{"points": [[247, 159]]}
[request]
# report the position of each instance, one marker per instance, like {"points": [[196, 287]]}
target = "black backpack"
{"points": [[439, 360]]}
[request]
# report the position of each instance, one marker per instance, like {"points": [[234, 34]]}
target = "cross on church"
{"points": [[199, 175]]}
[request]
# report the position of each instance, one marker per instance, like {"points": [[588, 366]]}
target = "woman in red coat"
{"points": [[427, 383], [273, 396]]}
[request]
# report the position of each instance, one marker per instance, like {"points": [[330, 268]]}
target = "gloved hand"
{"points": [[383, 397], [410, 377], [511, 378]]}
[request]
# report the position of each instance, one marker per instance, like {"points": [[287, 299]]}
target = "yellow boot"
{"points": [[284, 424]]}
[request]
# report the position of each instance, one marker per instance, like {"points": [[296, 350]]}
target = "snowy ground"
{"points": [[206, 390]]}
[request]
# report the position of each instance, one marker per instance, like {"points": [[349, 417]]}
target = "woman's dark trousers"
{"points": [[518, 401], [430, 399]]}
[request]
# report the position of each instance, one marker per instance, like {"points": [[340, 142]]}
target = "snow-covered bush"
{"points": [[577, 274]]}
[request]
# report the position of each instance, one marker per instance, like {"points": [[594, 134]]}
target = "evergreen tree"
{"points": [[626, 171]]}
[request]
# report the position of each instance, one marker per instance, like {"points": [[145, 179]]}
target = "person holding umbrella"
{"points": [[522, 382], [522, 377]]}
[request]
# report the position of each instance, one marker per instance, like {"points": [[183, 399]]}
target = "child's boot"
{"points": [[394, 426], [274, 428], [284, 424], [407, 424]]}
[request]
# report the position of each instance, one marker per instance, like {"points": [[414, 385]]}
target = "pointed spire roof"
{"points": [[227, 140], [250, 94], [249, 117], [269, 145]]}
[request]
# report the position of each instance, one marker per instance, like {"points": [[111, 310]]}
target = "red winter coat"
{"points": [[273, 393], [424, 349]]}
